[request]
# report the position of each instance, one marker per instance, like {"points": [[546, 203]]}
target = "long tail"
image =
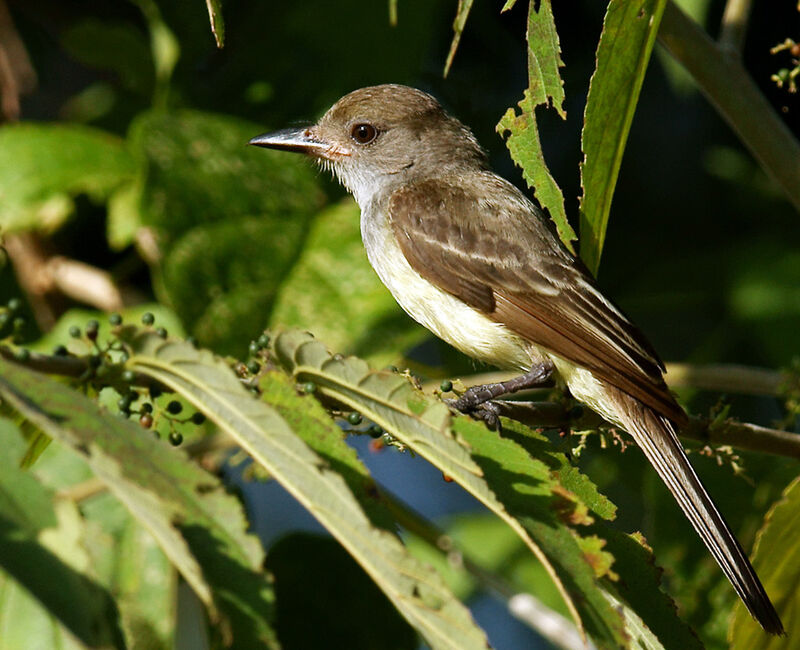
{"points": [[658, 440]]}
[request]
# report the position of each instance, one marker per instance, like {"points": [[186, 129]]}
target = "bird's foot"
{"points": [[477, 400]]}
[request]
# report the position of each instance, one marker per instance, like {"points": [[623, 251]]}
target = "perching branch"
{"points": [[728, 86]]}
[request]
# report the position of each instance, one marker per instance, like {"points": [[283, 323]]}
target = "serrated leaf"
{"points": [[545, 87], [331, 278], [27, 517], [776, 558], [200, 527], [211, 386], [626, 42], [390, 400], [43, 166]]}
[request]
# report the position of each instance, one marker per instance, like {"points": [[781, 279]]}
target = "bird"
{"points": [[466, 254]]}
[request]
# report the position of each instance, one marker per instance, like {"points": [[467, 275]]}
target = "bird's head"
{"points": [[377, 138]]}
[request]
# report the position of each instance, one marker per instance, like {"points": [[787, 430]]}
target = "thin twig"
{"points": [[728, 86], [734, 26]]}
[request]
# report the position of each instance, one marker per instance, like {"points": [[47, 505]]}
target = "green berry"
{"points": [[128, 376], [146, 420], [253, 348], [14, 304], [175, 438], [124, 403], [5, 318], [783, 74], [148, 318], [174, 407], [446, 386], [198, 418], [22, 354], [161, 332], [75, 331], [309, 387], [115, 319], [253, 367], [147, 407], [375, 431], [60, 351], [354, 418], [263, 340]]}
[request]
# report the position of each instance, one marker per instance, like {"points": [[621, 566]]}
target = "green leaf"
{"points": [[462, 13], [42, 166], [199, 527], [331, 280], [229, 220], [212, 387], [776, 558], [545, 87], [626, 42], [217, 22], [34, 550], [390, 400]]}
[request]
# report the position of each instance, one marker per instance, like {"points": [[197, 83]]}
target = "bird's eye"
{"points": [[364, 133]]}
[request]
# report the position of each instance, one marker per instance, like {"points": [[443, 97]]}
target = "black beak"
{"points": [[299, 140]]}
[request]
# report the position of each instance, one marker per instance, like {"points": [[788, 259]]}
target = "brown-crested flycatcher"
{"points": [[468, 256]]}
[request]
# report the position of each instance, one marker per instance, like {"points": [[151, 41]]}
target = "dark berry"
{"points": [[60, 351], [253, 348], [115, 319], [174, 407], [253, 367], [191, 340], [22, 354], [375, 431], [124, 403], [75, 331], [128, 376], [147, 407], [309, 387], [446, 386], [263, 340], [161, 332], [175, 438], [354, 418], [91, 328], [148, 318], [198, 418]]}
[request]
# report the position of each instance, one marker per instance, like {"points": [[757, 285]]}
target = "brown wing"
{"points": [[497, 255]]}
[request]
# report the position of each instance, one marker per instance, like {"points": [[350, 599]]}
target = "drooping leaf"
{"points": [[27, 518], [200, 527], [776, 558], [43, 166], [217, 21], [331, 281], [545, 87], [626, 42], [462, 13], [390, 400], [211, 386]]}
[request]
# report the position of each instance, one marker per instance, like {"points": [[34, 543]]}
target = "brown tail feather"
{"points": [[657, 438]]}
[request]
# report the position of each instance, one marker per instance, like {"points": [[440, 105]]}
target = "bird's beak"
{"points": [[299, 140]]}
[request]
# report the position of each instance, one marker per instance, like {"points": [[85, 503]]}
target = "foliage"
{"points": [[122, 481]]}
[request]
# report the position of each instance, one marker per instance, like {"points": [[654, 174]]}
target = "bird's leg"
{"points": [[477, 400]]}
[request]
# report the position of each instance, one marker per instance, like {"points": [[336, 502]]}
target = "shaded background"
{"points": [[701, 249]]}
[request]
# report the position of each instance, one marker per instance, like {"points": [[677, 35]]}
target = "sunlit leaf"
{"points": [[626, 42]]}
